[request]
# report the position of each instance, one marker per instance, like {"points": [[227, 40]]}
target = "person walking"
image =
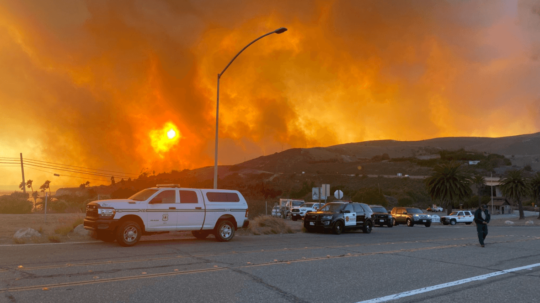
{"points": [[482, 218]]}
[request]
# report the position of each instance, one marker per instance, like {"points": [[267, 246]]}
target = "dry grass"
{"points": [[63, 230], [11, 223], [18, 241], [66, 228], [267, 225], [54, 239]]}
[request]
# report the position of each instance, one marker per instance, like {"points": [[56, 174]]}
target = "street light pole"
{"points": [[277, 31]]}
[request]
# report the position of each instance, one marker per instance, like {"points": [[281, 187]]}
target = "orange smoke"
{"points": [[93, 83]]}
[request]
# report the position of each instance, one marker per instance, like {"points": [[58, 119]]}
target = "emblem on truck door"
{"points": [[165, 217]]}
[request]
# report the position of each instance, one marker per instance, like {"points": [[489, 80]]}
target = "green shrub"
{"points": [[16, 203]]}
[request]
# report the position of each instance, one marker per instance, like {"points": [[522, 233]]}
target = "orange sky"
{"points": [[88, 82]]}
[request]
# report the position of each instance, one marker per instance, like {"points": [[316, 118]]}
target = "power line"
{"points": [[67, 169], [86, 178], [66, 166]]}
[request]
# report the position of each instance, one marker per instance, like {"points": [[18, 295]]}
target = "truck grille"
{"points": [[91, 211], [295, 210]]}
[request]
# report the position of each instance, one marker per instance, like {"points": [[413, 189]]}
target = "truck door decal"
{"points": [[165, 217]]}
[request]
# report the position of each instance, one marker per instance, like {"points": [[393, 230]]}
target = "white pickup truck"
{"points": [[466, 217], [166, 208], [298, 212]]}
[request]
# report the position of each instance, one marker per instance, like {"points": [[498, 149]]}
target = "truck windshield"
{"points": [[297, 203], [143, 194], [332, 207]]}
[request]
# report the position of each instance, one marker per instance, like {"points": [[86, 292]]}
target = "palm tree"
{"points": [[479, 181], [45, 186], [448, 184], [21, 186], [34, 194], [535, 189], [515, 186]]}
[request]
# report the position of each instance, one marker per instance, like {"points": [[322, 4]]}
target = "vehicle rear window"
{"points": [[188, 196], [222, 197]]}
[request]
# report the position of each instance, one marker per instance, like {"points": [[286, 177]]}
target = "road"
{"points": [[300, 267]]}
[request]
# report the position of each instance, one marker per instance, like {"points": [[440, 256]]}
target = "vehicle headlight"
{"points": [[429, 216], [106, 212], [327, 217], [416, 215]]}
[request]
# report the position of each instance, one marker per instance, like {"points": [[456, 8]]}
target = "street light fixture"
{"points": [[277, 31]]}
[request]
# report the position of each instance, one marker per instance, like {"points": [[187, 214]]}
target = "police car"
{"points": [[339, 217], [166, 208]]}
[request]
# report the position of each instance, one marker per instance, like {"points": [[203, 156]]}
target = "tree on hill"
{"points": [[515, 187], [535, 189], [447, 184]]}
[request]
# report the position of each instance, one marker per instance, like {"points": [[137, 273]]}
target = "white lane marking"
{"points": [[449, 284]]}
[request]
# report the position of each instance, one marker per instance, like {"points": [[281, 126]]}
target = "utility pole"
{"points": [[22, 170]]}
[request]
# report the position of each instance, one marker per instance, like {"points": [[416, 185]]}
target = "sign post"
{"points": [[46, 198]]}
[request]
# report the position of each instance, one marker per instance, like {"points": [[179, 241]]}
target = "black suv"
{"points": [[339, 217], [410, 216], [381, 216]]}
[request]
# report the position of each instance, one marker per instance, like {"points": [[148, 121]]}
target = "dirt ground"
{"points": [[10, 224]]}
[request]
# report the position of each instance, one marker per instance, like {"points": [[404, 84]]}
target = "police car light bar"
{"points": [[168, 185]]}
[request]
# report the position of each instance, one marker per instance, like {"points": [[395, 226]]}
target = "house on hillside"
{"points": [[501, 206]]}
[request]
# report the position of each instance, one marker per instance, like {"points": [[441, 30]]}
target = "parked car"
{"points": [[276, 212], [466, 217], [167, 208], [298, 212], [381, 216], [437, 208], [339, 217], [410, 216]]}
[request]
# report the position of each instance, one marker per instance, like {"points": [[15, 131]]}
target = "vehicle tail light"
{"points": [[247, 211]]}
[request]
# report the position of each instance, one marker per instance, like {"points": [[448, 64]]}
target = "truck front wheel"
{"points": [[224, 231], [128, 233]]}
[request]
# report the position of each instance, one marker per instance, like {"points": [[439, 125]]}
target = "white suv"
{"points": [[166, 208], [465, 216], [298, 212]]}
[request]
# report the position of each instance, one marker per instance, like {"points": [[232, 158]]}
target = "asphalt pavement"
{"points": [[412, 264]]}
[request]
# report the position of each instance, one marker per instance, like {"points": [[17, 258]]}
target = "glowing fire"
{"points": [[162, 140]]}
